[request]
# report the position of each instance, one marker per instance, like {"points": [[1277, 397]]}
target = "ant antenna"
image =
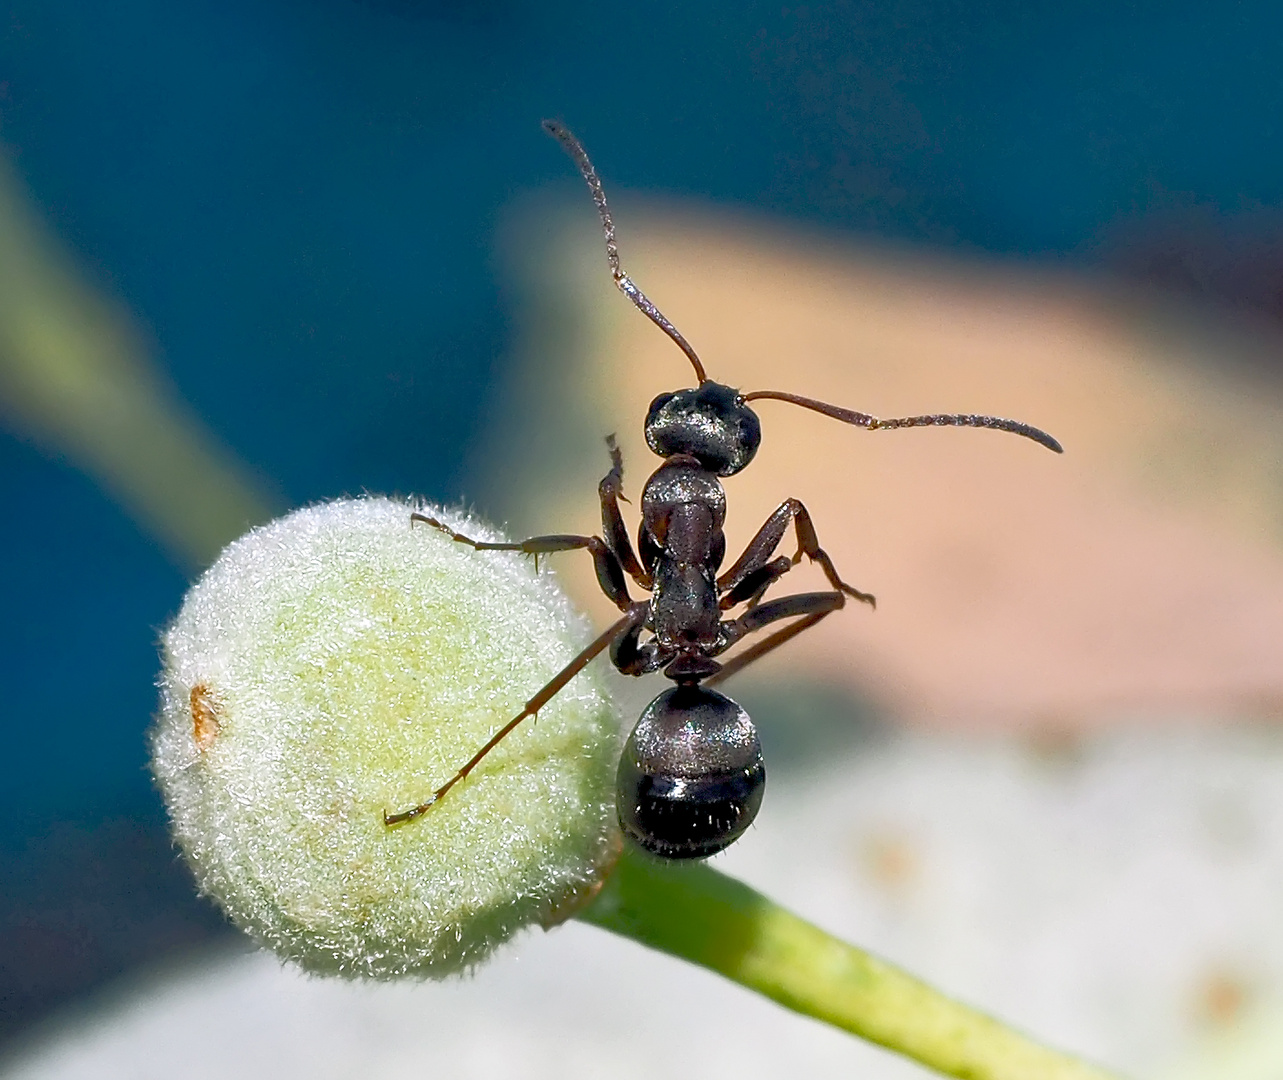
{"points": [[872, 423], [575, 149]]}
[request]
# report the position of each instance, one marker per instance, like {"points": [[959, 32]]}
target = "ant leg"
{"points": [[610, 576], [754, 584], [553, 687], [751, 576], [813, 606], [772, 641], [632, 658], [755, 556], [536, 545], [786, 607], [808, 544], [610, 491]]}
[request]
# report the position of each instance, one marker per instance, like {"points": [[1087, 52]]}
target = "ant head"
{"points": [[711, 423]]}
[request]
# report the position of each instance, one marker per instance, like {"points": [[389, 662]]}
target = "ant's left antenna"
{"points": [[575, 149]]}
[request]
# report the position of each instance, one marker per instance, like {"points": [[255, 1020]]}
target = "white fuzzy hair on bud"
{"points": [[338, 663]]}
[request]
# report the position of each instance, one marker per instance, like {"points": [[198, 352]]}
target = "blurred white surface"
{"points": [[1117, 897]]}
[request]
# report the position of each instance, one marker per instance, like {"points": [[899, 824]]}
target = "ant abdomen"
{"points": [[691, 777]]}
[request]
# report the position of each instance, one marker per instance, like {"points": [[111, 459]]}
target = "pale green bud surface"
{"points": [[338, 663]]}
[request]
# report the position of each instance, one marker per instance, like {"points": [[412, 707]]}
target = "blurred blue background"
{"points": [[300, 204]]}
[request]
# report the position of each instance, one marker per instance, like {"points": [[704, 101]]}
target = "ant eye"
{"points": [[660, 401]]}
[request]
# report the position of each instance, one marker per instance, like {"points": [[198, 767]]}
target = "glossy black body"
{"points": [[712, 423], [691, 776]]}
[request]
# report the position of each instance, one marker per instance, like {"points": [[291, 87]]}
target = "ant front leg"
{"points": [[610, 575], [610, 491], [752, 574], [549, 691]]}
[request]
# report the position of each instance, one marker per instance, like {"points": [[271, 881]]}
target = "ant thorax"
{"points": [[680, 482], [682, 544]]}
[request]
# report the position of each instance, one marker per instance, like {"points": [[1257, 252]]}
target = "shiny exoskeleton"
{"points": [[691, 776]]}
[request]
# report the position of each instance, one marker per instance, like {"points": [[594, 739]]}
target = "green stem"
{"points": [[694, 912]]}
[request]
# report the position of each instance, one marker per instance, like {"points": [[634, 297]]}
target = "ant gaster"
{"points": [[691, 777]]}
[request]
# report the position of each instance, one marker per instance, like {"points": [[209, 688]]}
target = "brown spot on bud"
{"points": [[205, 725]]}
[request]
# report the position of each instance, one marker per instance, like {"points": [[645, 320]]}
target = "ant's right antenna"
{"points": [[575, 149], [873, 423]]}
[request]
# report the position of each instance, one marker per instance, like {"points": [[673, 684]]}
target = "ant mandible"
{"points": [[691, 777]]}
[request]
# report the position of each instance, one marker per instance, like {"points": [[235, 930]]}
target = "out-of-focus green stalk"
{"points": [[694, 912], [75, 376]]}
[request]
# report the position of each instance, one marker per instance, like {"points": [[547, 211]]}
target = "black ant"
{"points": [[691, 777]]}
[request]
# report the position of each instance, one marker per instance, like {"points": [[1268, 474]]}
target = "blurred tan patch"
{"points": [[1140, 573], [1221, 997], [889, 860]]}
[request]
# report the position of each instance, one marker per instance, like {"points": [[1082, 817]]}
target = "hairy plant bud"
{"points": [[339, 663]]}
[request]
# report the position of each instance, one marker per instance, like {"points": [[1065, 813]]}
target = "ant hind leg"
{"points": [[813, 607], [766, 645], [545, 695]]}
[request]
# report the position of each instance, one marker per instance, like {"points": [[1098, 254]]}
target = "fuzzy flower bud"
{"points": [[338, 663]]}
